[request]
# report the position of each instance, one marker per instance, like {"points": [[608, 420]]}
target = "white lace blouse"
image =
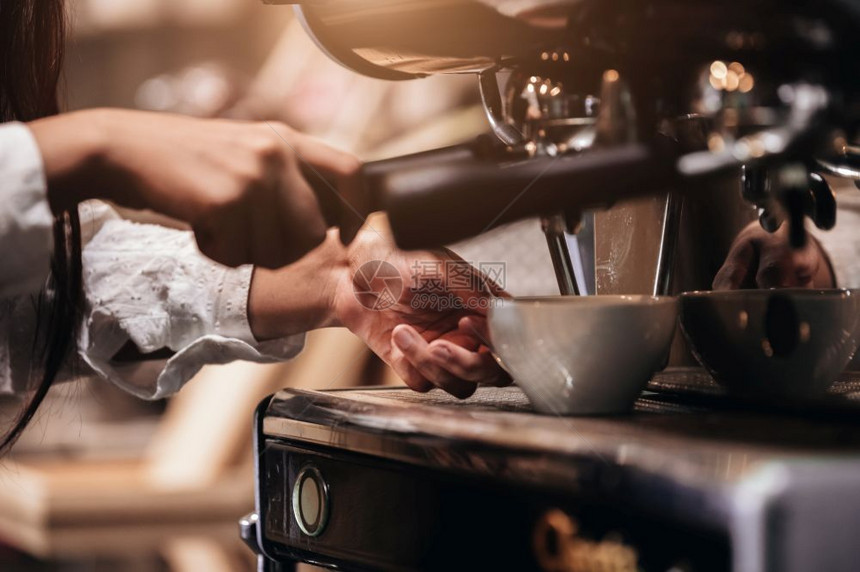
{"points": [[143, 283]]}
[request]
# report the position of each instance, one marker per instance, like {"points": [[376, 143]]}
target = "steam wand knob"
{"points": [[823, 202]]}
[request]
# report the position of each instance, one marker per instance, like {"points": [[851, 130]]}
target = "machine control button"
{"points": [[310, 500]]}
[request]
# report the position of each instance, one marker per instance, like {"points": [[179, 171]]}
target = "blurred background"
{"points": [[102, 481]]}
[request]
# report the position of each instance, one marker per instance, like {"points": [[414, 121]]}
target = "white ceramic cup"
{"points": [[583, 355]]}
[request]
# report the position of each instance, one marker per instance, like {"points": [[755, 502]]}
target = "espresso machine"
{"points": [[689, 118], [665, 126]]}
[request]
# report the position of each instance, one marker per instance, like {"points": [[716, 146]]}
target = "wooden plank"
{"points": [[48, 494], [207, 428]]}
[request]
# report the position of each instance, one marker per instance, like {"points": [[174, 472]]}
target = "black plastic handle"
{"points": [[823, 202], [444, 195], [432, 202]]}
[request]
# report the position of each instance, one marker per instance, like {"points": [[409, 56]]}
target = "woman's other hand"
{"points": [[759, 259], [238, 184], [433, 330], [434, 335]]}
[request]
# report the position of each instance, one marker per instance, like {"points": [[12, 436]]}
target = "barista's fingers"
{"points": [[417, 352], [479, 367], [738, 268], [316, 153], [407, 373], [462, 338], [332, 172], [476, 325]]}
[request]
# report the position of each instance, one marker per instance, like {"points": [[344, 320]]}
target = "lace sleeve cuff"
{"points": [[149, 285]]}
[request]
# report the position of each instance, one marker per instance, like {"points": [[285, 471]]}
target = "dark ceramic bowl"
{"points": [[788, 342]]}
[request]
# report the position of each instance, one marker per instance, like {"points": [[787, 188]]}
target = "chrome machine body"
{"points": [[702, 90]]}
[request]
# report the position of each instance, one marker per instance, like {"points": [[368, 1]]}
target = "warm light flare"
{"points": [[716, 82], [718, 69], [730, 77], [747, 82], [733, 80]]}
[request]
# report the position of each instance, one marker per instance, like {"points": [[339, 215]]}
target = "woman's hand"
{"points": [[759, 259], [239, 185], [432, 337], [434, 334]]}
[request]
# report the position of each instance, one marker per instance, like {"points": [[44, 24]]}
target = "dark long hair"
{"points": [[32, 38]]}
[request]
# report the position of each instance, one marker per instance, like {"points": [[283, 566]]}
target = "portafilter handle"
{"points": [[432, 201], [444, 195]]}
